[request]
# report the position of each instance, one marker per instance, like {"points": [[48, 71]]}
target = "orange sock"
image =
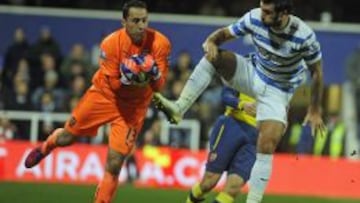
{"points": [[106, 189], [50, 142]]}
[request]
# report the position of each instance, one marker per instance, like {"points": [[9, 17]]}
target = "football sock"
{"points": [[106, 188], [195, 195], [259, 177], [199, 79], [50, 142], [223, 197]]}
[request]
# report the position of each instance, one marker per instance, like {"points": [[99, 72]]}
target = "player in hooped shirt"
{"points": [[283, 44]]}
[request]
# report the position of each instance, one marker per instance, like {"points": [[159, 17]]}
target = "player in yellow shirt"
{"points": [[232, 148]]}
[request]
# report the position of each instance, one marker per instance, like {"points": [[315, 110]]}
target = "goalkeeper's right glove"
{"points": [[129, 71]]}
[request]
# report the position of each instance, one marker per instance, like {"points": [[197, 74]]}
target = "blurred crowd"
{"points": [[38, 77], [338, 11]]}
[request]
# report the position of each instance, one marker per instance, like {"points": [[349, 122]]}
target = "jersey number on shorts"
{"points": [[130, 137]]}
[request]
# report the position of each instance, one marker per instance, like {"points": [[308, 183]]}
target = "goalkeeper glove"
{"points": [[129, 71], [147, 64]]}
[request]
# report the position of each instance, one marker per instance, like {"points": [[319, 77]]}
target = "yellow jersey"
{"points": [[239, 113]]}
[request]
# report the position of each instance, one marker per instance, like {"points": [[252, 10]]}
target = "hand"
{"points": [[148, 65], [250, 108], [313, 117], [211, 49], [129, 71]]}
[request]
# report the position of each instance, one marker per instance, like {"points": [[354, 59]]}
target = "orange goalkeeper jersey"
{"points": [[117, 46]]}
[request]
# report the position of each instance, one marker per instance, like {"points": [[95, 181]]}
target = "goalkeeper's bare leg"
{"points": [[59, 137], [106, 189]]}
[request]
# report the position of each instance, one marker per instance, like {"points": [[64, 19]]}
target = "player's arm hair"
{"points": [[220, 36], [317, 84]]}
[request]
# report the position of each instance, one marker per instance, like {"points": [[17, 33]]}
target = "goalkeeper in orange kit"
{"points": [[133, 65]]}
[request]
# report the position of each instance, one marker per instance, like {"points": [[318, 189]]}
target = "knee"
{"points": [[233, 189], [209, 182], [114, 162], [269, 136], [233, 185], [113, 166], [267, 143]]}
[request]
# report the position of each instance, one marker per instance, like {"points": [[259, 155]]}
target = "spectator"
{"points": [[150, 132], [7, 129], [77, 89], [76, 69], [46, 44], [152, 135], [23, 72], [212, 8], [78, 86], [19, 98], [183, 66], [49, 97], [333, 142], [74, 100], [77, 62], [47, 103], [17, 51], [47, 63]]}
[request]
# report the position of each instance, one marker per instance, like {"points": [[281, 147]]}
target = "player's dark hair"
{"points": [[281, 5], [131, 4]]}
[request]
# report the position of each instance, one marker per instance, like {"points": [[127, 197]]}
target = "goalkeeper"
{"points": [[133, 65]]}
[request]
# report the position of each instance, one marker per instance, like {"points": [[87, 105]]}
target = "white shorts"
{"points": [[272, 103]]}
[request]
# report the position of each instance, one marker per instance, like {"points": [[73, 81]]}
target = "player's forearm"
{"points": [[317, 85], [220, 36]]}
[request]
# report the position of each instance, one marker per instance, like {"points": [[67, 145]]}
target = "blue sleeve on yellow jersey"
{"points": [[230, 97]]}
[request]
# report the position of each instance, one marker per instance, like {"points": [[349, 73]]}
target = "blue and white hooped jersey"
{"points": [[281, 57]]}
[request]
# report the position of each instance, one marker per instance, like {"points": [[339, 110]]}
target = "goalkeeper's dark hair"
{"points": [[132, 4], [281, 5]]}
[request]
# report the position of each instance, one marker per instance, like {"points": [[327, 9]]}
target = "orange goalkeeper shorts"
{"points": [[94, 110]]}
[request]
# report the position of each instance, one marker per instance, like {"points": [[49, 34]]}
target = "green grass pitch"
{"points": [[63, 193]]}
